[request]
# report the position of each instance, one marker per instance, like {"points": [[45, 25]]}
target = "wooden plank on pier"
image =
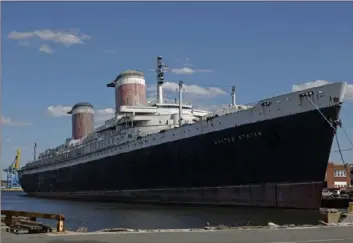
{"points": [[10, 214]]}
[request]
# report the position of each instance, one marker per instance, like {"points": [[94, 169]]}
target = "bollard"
{"points": [[350, 207], [60, 226]]}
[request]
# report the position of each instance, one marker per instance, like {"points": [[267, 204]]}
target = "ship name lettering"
{"points": [[249, 135], [239, 138]]}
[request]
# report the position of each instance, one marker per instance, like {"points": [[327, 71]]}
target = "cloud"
{"points": [[188, 71], [311, 84], [110, 51], [67, 38], [316, 83], [99, 115], [11, 122], [104, 114], [46, 49], [59, 110]]}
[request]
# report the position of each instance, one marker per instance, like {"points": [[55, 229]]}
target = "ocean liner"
{"points": [[273, 153]]}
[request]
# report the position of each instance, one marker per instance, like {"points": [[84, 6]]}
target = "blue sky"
{"points": [[56, 54]]}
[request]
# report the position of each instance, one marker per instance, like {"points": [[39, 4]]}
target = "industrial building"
{"points": [[339, 175]]}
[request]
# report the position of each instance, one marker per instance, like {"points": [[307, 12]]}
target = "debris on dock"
{"points": [[26, 222]]}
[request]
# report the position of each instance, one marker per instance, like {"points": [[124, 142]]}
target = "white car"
{"points": [[326, 193]]}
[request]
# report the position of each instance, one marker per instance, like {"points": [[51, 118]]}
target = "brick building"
{"points": [[338, 175]]}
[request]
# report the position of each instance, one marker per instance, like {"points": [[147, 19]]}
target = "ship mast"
{"points": [[233, 96], [35, 152], [180, 102], [160, 79]]}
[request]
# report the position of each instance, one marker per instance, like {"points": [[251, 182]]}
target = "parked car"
{"points": [[326, 193]]}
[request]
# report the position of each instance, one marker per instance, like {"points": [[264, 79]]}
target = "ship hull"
{"points": [[277, 163], [283, 195]]}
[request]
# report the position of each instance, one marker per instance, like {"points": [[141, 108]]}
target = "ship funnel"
{"points": [[130, 89], [82, 120]]}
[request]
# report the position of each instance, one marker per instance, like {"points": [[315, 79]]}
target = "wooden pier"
{"points": [[18, 221]]}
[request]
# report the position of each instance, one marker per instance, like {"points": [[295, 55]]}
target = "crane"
{"points": [[12, 171]]}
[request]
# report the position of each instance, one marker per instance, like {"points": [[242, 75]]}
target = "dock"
{"points": [[323, 234], [11, 189]]}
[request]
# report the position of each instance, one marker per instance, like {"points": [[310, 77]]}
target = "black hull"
{"points": [[288, 151]]}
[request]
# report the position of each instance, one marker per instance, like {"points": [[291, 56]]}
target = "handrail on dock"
{"points": [[9, 214]]}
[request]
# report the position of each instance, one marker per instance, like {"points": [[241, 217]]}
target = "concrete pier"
{"points": [[342, 234], [16, 189]]}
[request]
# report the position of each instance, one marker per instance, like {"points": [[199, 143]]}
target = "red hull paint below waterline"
{"points": [[291, 195]]}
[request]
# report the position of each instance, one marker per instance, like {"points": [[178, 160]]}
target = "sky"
{"points": [[55, 54]]}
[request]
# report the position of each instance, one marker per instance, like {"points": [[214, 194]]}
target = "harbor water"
{"points": [[96, 215]]}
